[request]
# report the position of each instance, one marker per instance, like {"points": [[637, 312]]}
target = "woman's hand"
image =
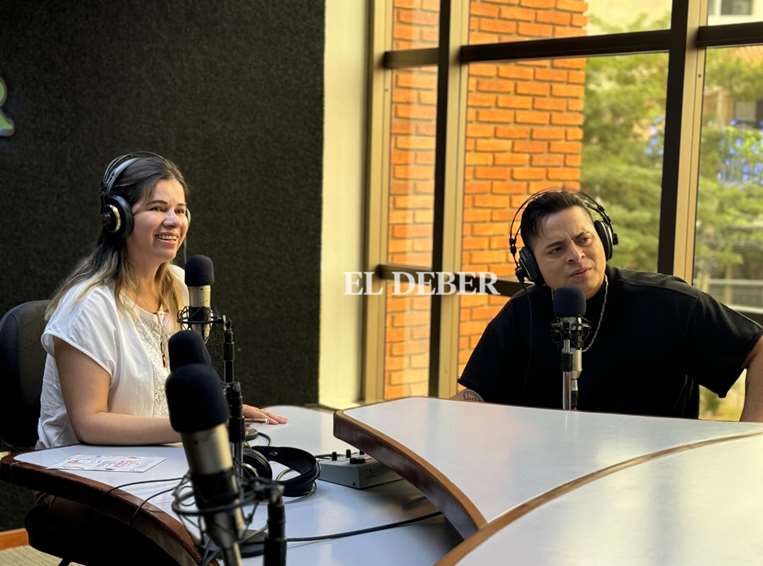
{"points": [[262, 416]]}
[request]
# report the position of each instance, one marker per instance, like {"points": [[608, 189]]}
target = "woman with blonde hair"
{"points": [[109, 322]]}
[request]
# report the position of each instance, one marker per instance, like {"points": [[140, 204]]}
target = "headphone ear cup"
{"points": [[259, 463], [606, 236], [528, 264], [117, 216]]}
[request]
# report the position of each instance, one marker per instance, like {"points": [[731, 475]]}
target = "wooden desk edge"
{"points": [[160, 527], [496, 525], [454, 504]]}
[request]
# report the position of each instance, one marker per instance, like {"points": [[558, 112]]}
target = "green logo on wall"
{"points": [[6, 124]]}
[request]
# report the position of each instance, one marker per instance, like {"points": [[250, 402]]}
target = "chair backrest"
{"points": [[22, 362]]}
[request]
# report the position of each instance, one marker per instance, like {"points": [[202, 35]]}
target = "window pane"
{"points": [[594, 125], [508, 20], [406, 341], [415, 23], [411, 166], [728, 258]]}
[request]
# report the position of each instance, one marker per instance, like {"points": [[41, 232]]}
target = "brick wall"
{"points": [[524, 134]]}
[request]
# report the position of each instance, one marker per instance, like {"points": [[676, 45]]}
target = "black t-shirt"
{"points": [[659, 339]]}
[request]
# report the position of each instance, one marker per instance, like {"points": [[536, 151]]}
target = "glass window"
{"points": [[508, 20], [583, 124], [728, 252], [736, 7], [415, 23]]}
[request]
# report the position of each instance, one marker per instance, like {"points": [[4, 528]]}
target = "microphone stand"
{"points": [[572, 331], [236, 422]]}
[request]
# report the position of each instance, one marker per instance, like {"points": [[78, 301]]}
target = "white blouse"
{"points": [[129, 344]]}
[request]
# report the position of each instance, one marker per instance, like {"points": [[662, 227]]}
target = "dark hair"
{"points": [[108, 260], [545, 204]]}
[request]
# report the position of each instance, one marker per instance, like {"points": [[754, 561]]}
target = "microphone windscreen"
{"points": [[569, 301], [199, 271], [195, 399], [187, 347]]}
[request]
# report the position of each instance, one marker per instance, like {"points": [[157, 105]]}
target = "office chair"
{"points": [[54, 527]]}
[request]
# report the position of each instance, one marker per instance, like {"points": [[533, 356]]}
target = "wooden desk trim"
{"points": [[162, 528], [454, 504], [495, 526]]}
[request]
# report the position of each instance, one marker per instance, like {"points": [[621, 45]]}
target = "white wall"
{"points": [[343, 189]]}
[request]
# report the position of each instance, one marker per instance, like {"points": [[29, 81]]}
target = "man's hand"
{"points": [[262, 416], [468, 395]]}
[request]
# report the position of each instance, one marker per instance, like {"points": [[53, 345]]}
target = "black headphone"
{"points": [[116, 212], [527, 266], [295, 459]]}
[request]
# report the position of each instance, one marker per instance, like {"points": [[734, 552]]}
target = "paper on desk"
{"points": [[108, 463]]}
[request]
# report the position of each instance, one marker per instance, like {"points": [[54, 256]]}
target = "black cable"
{"points": [[110, 490], [146, 500], [364, 531]]}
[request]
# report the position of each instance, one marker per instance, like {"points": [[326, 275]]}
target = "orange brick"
{"points": [[577, 77], [566, 147], [550, 103], [574, 63], [479, 131], [411, 231], [400, 217], [427, 97], [398, 246], [512, 132], [512, 13], [579, 6], [533, 88], [398, 187], [563, 174], [539, 186], [575, 104], [395, 334], [510, 187], [478, 158], [484, 313], [411, 258], [573, 160], [475, 243], [509, 101], [550, 75], [430, 5], [414, 142], [420, 112], [405, 4], [495, 85], [498, 173], [466, 328], [425, 158], [481, 99], [539, 3], [404, 95], [567, 90], [512, 159], [412, 172], [424, 216], [426, 129], [553, 17], [500, 242], [531, 117], [412, 202], [468, 301], [579, 21], [408, 376], [422, 245], [417, 17], [429, 37], [415, 79], [482, 9], [511, 71], [419, 388], [496, 115], [534, 30], [420, 331], [410, 319], [548, 133], [530, 146], [420, 360], [398, 156], [489, 256], [493, 145], [476, 37], [528, 173], [575, 134], [403, 127], [567, 118], [482, 69], [395, 391], [567, 31], [404, 32], [548, 160], [498, 26], [506, 215], [490, 228], [476, 215]]}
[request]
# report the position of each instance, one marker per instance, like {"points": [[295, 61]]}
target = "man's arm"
{"points": [[467, 395], [753, 390]]}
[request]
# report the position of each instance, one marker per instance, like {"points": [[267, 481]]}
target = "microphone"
{"points": [[199, 276], [187, 347], [199, 413], [569, 308]]}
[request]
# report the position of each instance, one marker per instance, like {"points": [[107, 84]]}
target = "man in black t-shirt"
{"points": [[653, 339]]}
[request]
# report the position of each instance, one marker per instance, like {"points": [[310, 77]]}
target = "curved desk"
{"points": [[331, 509], [484, 465]]}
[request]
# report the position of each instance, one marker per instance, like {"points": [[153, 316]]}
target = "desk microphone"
{"points": [[569, 308], [198, 411], [199, 277], [187, 347]]}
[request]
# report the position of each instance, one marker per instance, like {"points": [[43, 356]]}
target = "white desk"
{"points": [[484, 465], [330, 509]]}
